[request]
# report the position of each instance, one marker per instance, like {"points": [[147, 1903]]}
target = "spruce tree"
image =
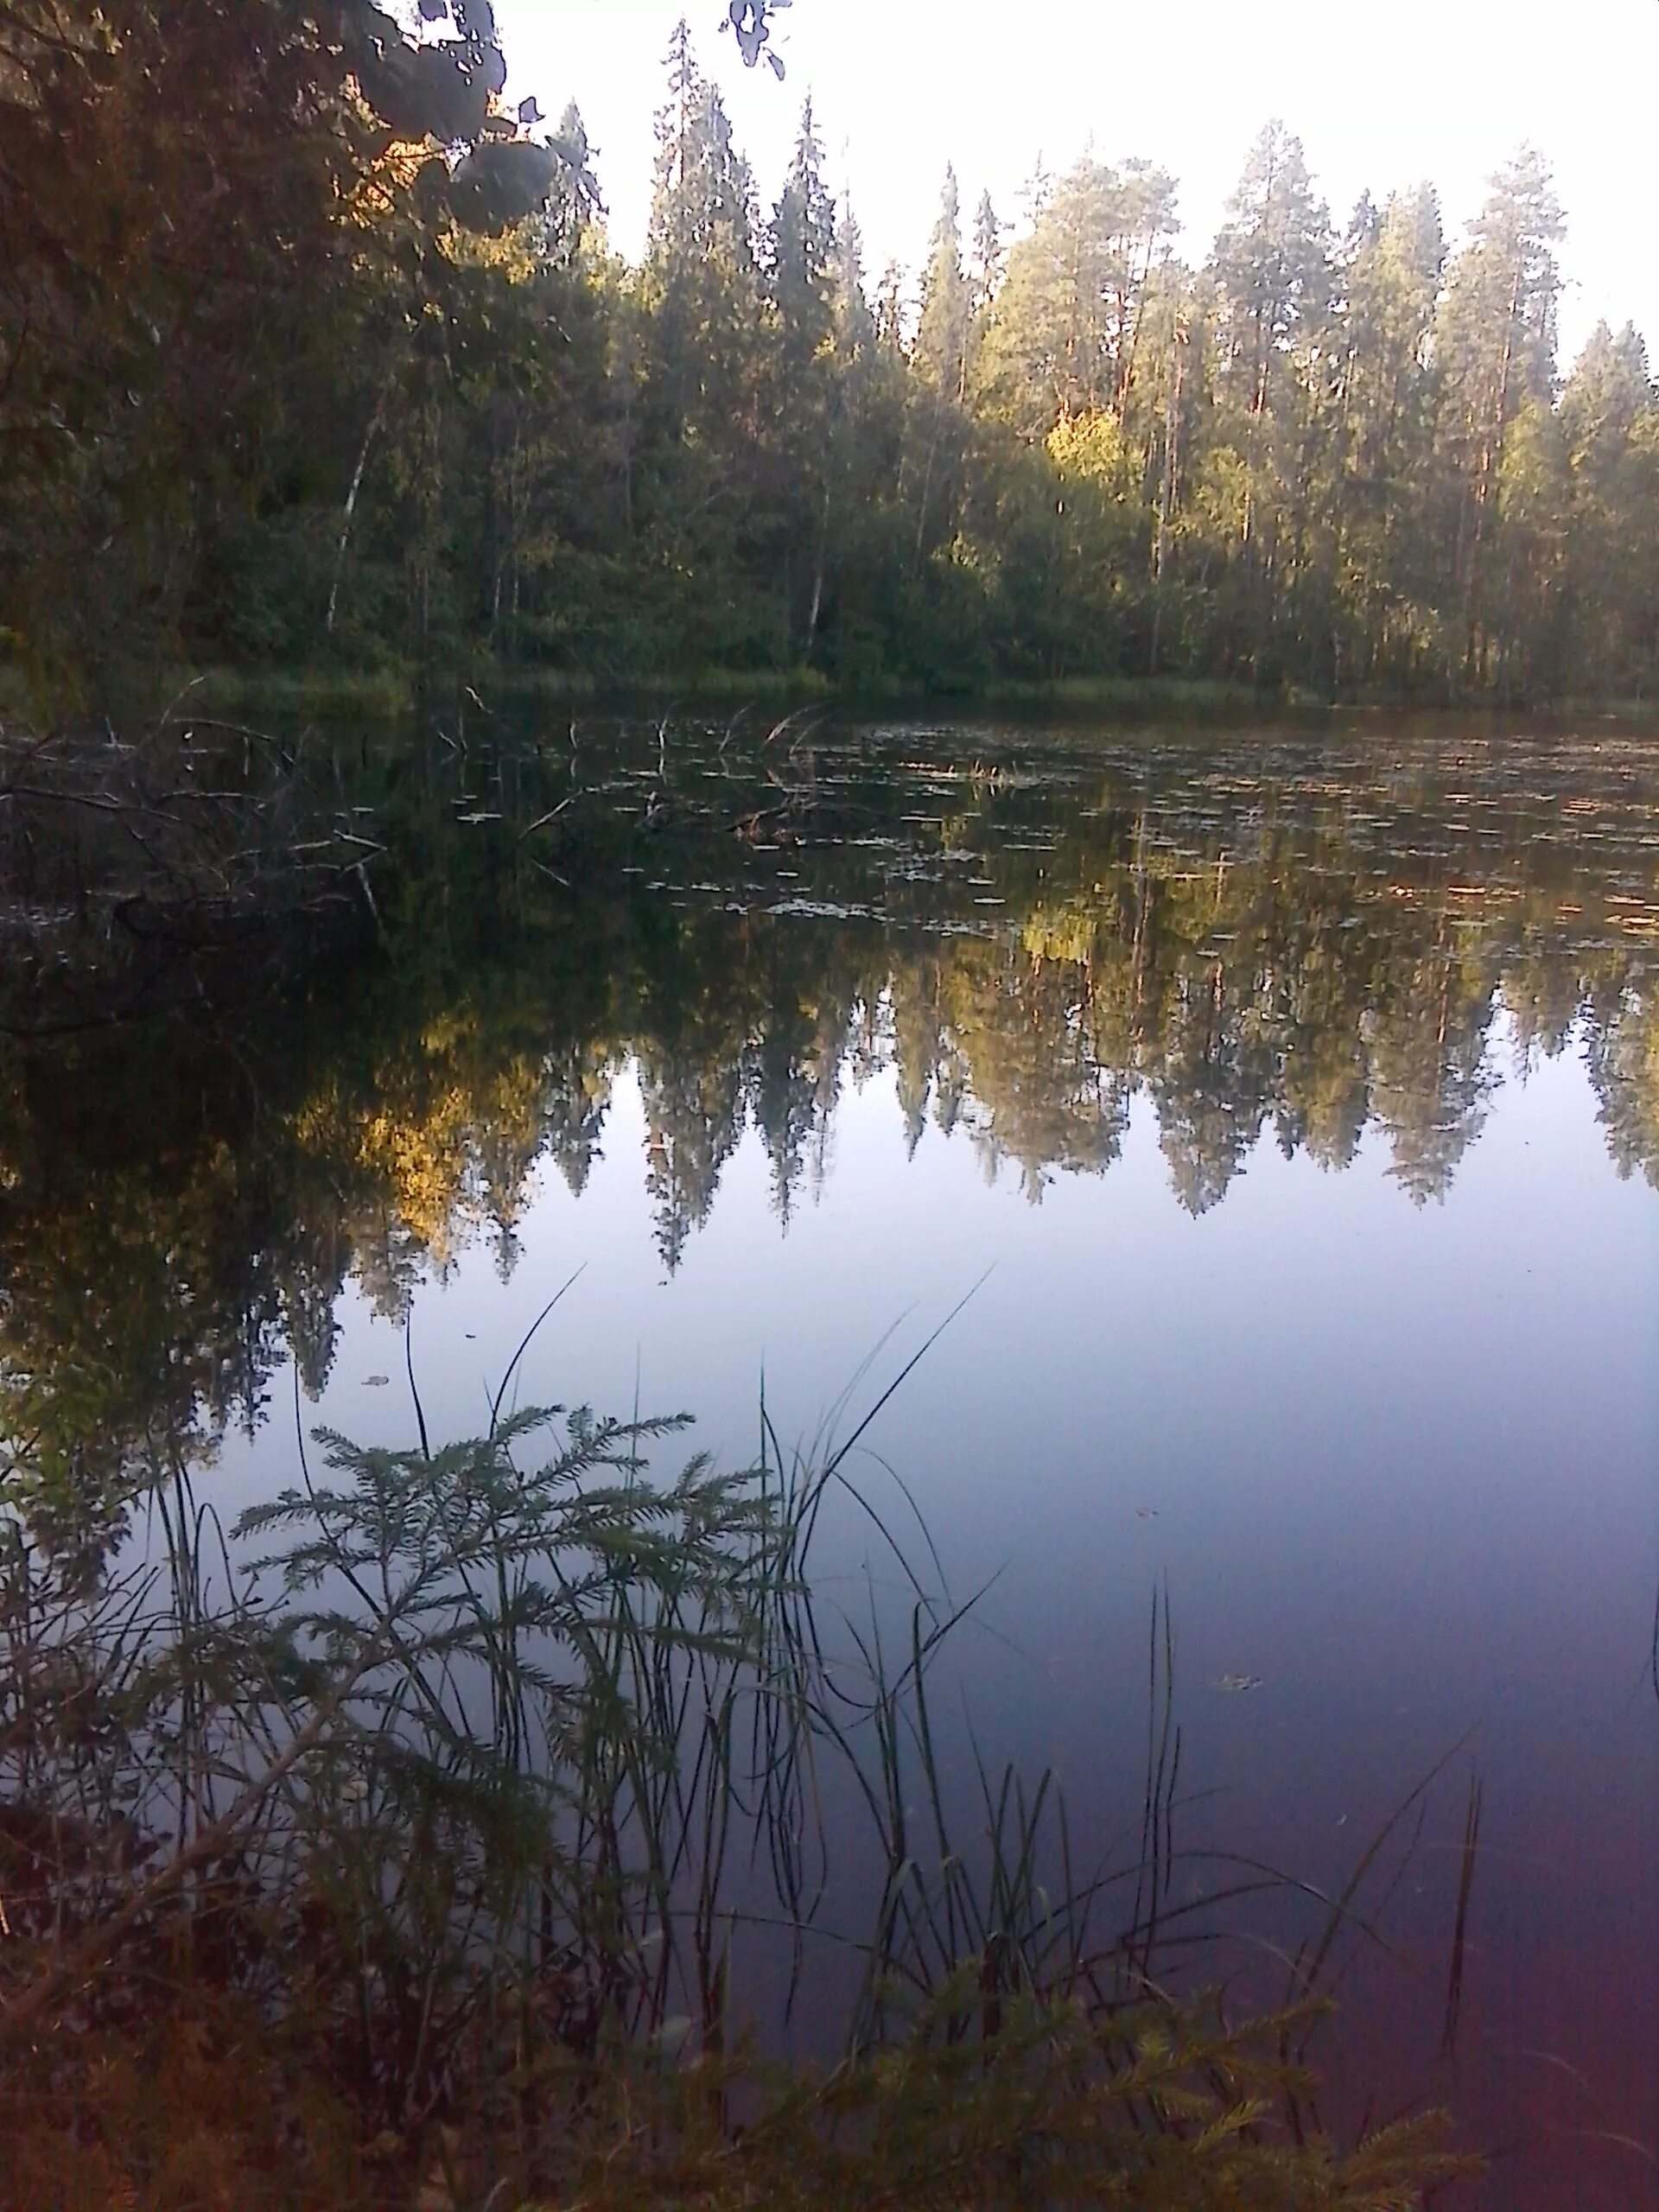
{"points": [[990, 256], [803, 250], [942, 332], [855, 319]]}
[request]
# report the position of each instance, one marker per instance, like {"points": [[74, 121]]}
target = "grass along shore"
{"points": [[437, 1840]]}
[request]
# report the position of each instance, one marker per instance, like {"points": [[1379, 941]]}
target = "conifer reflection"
{"points": [[1290, 940]]}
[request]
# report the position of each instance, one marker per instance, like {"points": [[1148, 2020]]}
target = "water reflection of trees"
{"points": [[1258, 958]]}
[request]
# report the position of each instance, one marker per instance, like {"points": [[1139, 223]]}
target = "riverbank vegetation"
{"points": [[385, 396], [448, 1835]]}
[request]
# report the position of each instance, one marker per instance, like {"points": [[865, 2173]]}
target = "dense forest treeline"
{"points": [[1279, 947], [283, 380]]}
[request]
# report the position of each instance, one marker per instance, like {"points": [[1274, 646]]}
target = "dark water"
{"points": [[1288, 1102]]}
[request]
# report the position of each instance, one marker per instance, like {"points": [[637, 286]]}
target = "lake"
{"points": [[1258, 1127]]}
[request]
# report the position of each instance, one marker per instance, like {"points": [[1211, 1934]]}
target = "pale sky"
{"points": [[1380, 97]]}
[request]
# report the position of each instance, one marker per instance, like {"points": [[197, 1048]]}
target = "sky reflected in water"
{"points": [[1286, 1110], [1397, 1462]]}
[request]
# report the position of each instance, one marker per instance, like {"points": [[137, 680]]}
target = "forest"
{"points": [[311, 355]]}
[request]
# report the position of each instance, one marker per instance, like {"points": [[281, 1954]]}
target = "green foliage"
{"points": [[1155, 2108], [383, 396], [496, 1745]]}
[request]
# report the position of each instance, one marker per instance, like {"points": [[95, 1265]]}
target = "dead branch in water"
{"points": [[124, 864]]}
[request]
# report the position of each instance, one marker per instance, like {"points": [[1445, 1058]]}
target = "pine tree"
{"points": [[1271, 262], [1374, 476], [1495, 345], [1064, 335], [1272, 268]]}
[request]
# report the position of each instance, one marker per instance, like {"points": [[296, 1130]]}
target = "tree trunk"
{"points": [[816, 607], [377, 411]]}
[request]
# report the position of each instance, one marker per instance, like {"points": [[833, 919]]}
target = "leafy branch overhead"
{"points": [[751, 21], [312, 68], [447, 90]]}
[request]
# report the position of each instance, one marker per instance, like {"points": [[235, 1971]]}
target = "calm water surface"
{"points": [[1287, 1101]]}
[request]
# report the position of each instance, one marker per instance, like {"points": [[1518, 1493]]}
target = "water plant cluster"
{"points": [[454, 1833]]}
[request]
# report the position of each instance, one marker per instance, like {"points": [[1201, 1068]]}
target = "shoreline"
{"points": [[398, 693]]}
